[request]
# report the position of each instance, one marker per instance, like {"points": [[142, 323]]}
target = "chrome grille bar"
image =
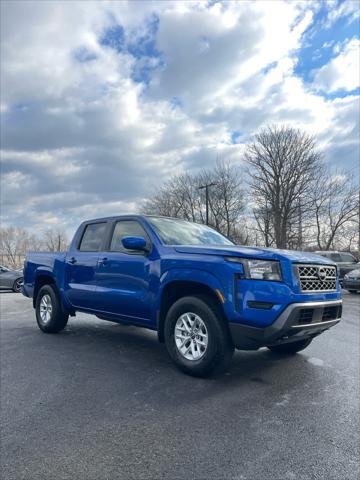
{"points": [[316, 278]]}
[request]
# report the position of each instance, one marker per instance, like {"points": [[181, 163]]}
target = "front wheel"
{"points": [[49, 313], [291, 348], [197, 337]]}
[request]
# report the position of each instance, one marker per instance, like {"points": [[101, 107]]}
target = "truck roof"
{"points": [[113, 217], [134, 215]]}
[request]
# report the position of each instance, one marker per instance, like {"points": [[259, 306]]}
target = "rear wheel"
{"points": [[49, 313], [17, 285], [291, 348], [196, 336]]}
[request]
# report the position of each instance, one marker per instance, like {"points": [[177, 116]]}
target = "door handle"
{"points": [[72, 260], [102, 261]]}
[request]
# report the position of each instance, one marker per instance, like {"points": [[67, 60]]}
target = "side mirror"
{"points": [[134, 243]]}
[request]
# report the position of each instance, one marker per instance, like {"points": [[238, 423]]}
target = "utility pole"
{"points": [[207, 198], [300, 240]]}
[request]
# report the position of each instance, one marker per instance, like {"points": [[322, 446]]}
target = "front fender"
{"points": [[190, 275], [194, 275]]}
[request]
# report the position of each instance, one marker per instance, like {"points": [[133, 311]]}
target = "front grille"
{"points": [[317, 278]]}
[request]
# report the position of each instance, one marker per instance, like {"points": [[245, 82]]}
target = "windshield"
{"points": [[180, 232]]}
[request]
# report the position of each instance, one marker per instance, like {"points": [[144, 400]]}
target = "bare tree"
{"points": [[10, 241], [55, 240], [283, 164], [14, 243], [347, 239], [181, 197], [336, 205], [177, 198], [227, 199], [264, 224]]}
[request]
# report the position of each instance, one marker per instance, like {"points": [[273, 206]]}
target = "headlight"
{"points": [[259, 269]]}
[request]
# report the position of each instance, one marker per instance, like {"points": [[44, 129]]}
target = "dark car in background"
{"points": [[351, 281], [346, 262], [10, 279]]}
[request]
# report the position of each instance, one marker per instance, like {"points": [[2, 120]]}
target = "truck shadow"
{"points": [[133, 356]]}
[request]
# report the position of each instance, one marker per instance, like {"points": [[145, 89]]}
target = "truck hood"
{"points": [[254, 252]]}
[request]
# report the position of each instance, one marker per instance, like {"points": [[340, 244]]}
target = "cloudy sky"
{"points": [[102, 101]]}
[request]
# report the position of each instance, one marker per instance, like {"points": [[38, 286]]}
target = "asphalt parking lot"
{"points": [[103, 401]]}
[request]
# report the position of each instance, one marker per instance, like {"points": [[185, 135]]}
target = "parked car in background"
{"points": [[351, 281], [345, 261], [204, 295], [10, 279]]}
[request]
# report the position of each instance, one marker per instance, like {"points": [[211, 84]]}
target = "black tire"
{"points": [[17, 285], [219, 350], [58, 318], [292, 347], [352, 291]]}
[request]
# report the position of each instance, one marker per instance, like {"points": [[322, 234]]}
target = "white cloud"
{"points": [[342, 9], [342, 72], [84, 138]]}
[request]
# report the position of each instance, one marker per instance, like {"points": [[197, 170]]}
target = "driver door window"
{"points": [[127, 228]]}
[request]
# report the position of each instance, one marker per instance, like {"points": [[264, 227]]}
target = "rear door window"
{"points": [[92, 238]]}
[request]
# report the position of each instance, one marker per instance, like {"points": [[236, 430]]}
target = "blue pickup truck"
{"points": [[203, 295]]}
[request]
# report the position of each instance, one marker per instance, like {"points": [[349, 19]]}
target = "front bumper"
{"points": [[297, 321]]}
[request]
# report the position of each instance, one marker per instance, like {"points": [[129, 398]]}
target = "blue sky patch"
{"points": [[176, 102], [319, 41], [140, 44], [235, 137], [145, 45], [268, 67], [114, 37], [340, 94], [84, 55]]}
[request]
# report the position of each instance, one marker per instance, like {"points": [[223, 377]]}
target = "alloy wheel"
{"points": [[45, 308], [191, 336]]}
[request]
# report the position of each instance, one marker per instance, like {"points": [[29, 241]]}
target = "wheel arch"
{"points": [[42, 279], [176, 289]]}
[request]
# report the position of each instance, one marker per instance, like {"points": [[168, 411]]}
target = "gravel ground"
{"points": [[103, 401]]}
